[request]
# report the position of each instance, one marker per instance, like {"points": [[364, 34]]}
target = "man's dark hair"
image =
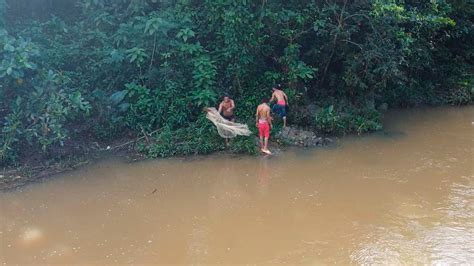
{"points": [[278, 86], [264, 100]]}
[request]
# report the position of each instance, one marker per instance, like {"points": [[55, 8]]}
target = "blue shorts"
{"points": [[279, 109]]}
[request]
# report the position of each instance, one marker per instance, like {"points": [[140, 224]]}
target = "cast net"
{"points": [[225, 128]]}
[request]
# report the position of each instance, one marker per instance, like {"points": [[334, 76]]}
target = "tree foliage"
{"points": [[130, 66]]}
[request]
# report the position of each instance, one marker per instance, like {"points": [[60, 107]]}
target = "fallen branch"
{"points": [[146, 137], [135, 140]]}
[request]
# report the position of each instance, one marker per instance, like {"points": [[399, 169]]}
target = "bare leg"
{"points": [[261, 143], [265, 148], [284, 121]]}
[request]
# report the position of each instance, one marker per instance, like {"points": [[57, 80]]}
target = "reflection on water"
{"points": [[263, 175], [405, 196]]}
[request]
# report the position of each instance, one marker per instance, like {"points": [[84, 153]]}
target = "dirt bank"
{"points": [[34, 169]]}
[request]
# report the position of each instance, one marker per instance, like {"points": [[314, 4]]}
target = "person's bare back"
{"points": [[280, 96], [263, 112], [281, 105]]}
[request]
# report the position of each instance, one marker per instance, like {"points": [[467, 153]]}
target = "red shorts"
{"points": [[264, 129]]}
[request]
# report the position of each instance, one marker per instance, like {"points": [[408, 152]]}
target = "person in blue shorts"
{"points": [[281, 105]]}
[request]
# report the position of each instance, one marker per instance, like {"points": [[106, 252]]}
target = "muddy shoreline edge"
{"points": [[13, 178]]}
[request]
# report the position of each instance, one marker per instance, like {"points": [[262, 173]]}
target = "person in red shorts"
{"points": [[264, 124]]}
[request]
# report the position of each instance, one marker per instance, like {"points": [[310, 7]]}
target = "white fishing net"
{"points": [[225, 128]]}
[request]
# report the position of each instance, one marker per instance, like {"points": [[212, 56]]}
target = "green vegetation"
{"points": [[99, 70], [330, 121]]}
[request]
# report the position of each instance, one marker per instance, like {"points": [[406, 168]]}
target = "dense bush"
{"points": [[331, 121], [108, 68], [462, 92], [198, 137], [37, 104]]}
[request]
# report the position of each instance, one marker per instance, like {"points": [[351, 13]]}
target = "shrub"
{"points": [[200, 137], [327, 121], [462, 93], [330, 121]]}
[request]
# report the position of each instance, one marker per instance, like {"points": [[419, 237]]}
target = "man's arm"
{"points": [[273, 97], [256, 118], [220, 108], [232, 105], [286, 98]]}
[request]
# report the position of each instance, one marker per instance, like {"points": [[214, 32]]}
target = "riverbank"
{"points": [[131, 149], [34, 169], [72, 157]]}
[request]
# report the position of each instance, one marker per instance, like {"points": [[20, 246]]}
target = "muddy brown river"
{"points": [[401, 196]]}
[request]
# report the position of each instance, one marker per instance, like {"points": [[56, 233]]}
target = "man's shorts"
{"points": [[264, 130], [229, 118], [279, 109]]}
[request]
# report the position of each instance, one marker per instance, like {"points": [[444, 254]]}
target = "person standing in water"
{"points": [[263, 122], [226, 108], [281, 102]]}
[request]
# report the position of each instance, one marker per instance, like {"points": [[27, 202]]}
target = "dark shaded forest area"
{"points": [[77, 72]]}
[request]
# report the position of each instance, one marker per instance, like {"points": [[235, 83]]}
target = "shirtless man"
{"points": [[281, 102], [263, 122], [226, 108]]}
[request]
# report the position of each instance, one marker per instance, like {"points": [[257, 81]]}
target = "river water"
{"points": [[401, 196]]}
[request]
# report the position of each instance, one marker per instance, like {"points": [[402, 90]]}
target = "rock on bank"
{"points": [[300, 137]]}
